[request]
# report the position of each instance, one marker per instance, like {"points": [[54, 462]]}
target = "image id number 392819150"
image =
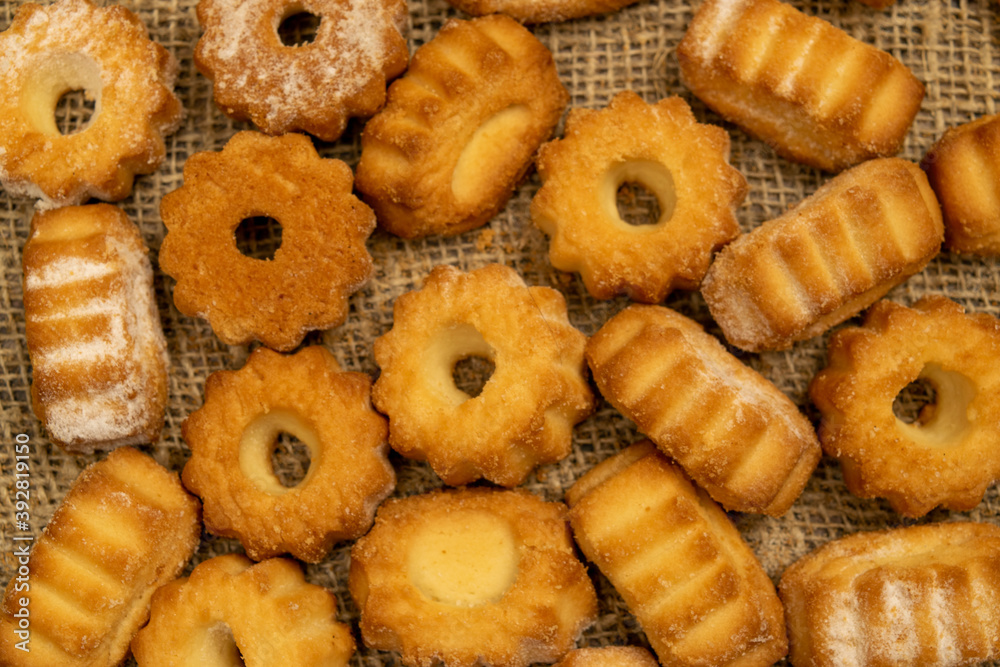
{"points": [[22, 539]]}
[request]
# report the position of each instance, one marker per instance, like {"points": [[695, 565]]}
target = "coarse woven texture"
{"points": [[950, 45]]}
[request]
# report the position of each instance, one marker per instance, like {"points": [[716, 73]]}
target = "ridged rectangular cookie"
{"points": [[922, 595], [694, 585], [98, 355], [811, 91], [124, 528]]}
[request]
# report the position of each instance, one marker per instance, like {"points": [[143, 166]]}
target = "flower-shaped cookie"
{"points": [[106, 52], [469, 577], [314, 87], [234, 433], [949, 455], [526, 411], [322, 259], [685, 164], [232, 611]]}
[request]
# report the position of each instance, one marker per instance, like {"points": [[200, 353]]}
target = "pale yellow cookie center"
{"points": [[947, 420], [651, 175], [465, 558], [258, 442], [490, 145], [450, 346], [53, 78], [215, 646]]}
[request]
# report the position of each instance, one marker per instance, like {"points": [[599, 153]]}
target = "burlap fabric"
{"points": [[949, 45]]}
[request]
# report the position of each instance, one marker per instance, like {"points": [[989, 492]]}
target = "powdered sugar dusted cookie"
{"points": [[99, 358], [315, 87]]}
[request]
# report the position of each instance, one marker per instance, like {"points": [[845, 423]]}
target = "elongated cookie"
{"points": [[922, 595], [964, 169], [460, 129], [731, 430], [98, 355], [124, 528], [833, 255], [694, 585], [810, 90]]}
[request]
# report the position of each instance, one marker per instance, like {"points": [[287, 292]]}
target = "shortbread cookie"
{"points": [[315, 87], [685, 164], [231, 611], [50, 50], [833, 255], [949, 456], [731, 430], [811, 91], [471, 577], [322, 260], [98, 355], [460, 129], [125, 528], [694, 585], [525, 413], [233, 434], [609, 656], [923, 595], [964, 169]]}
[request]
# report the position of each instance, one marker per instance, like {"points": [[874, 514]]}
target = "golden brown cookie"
{"points": [[498, 564], [322, 260], [232, 611], [811, 91], [70, 45], [609, 656], [234, 433], [694, 585], [525, 413], [922, 595], [460, 129], [828, 258], [98, 355], [315, 87], [685, 164], [964, 168], [733, 432], [949, 455], [124, 528]]}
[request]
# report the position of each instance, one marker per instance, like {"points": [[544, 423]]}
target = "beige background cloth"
{"points": [[951, 45]]}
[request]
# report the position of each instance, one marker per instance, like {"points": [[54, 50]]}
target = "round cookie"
{"points": [[314, 87], [231, 611], [949, 455], [525, 413], [685, 164], [70, 45], [322, 259], [498, 564], [233, 434]]}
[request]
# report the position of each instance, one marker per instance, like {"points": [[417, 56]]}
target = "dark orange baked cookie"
{"points": [[322, 259]]}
